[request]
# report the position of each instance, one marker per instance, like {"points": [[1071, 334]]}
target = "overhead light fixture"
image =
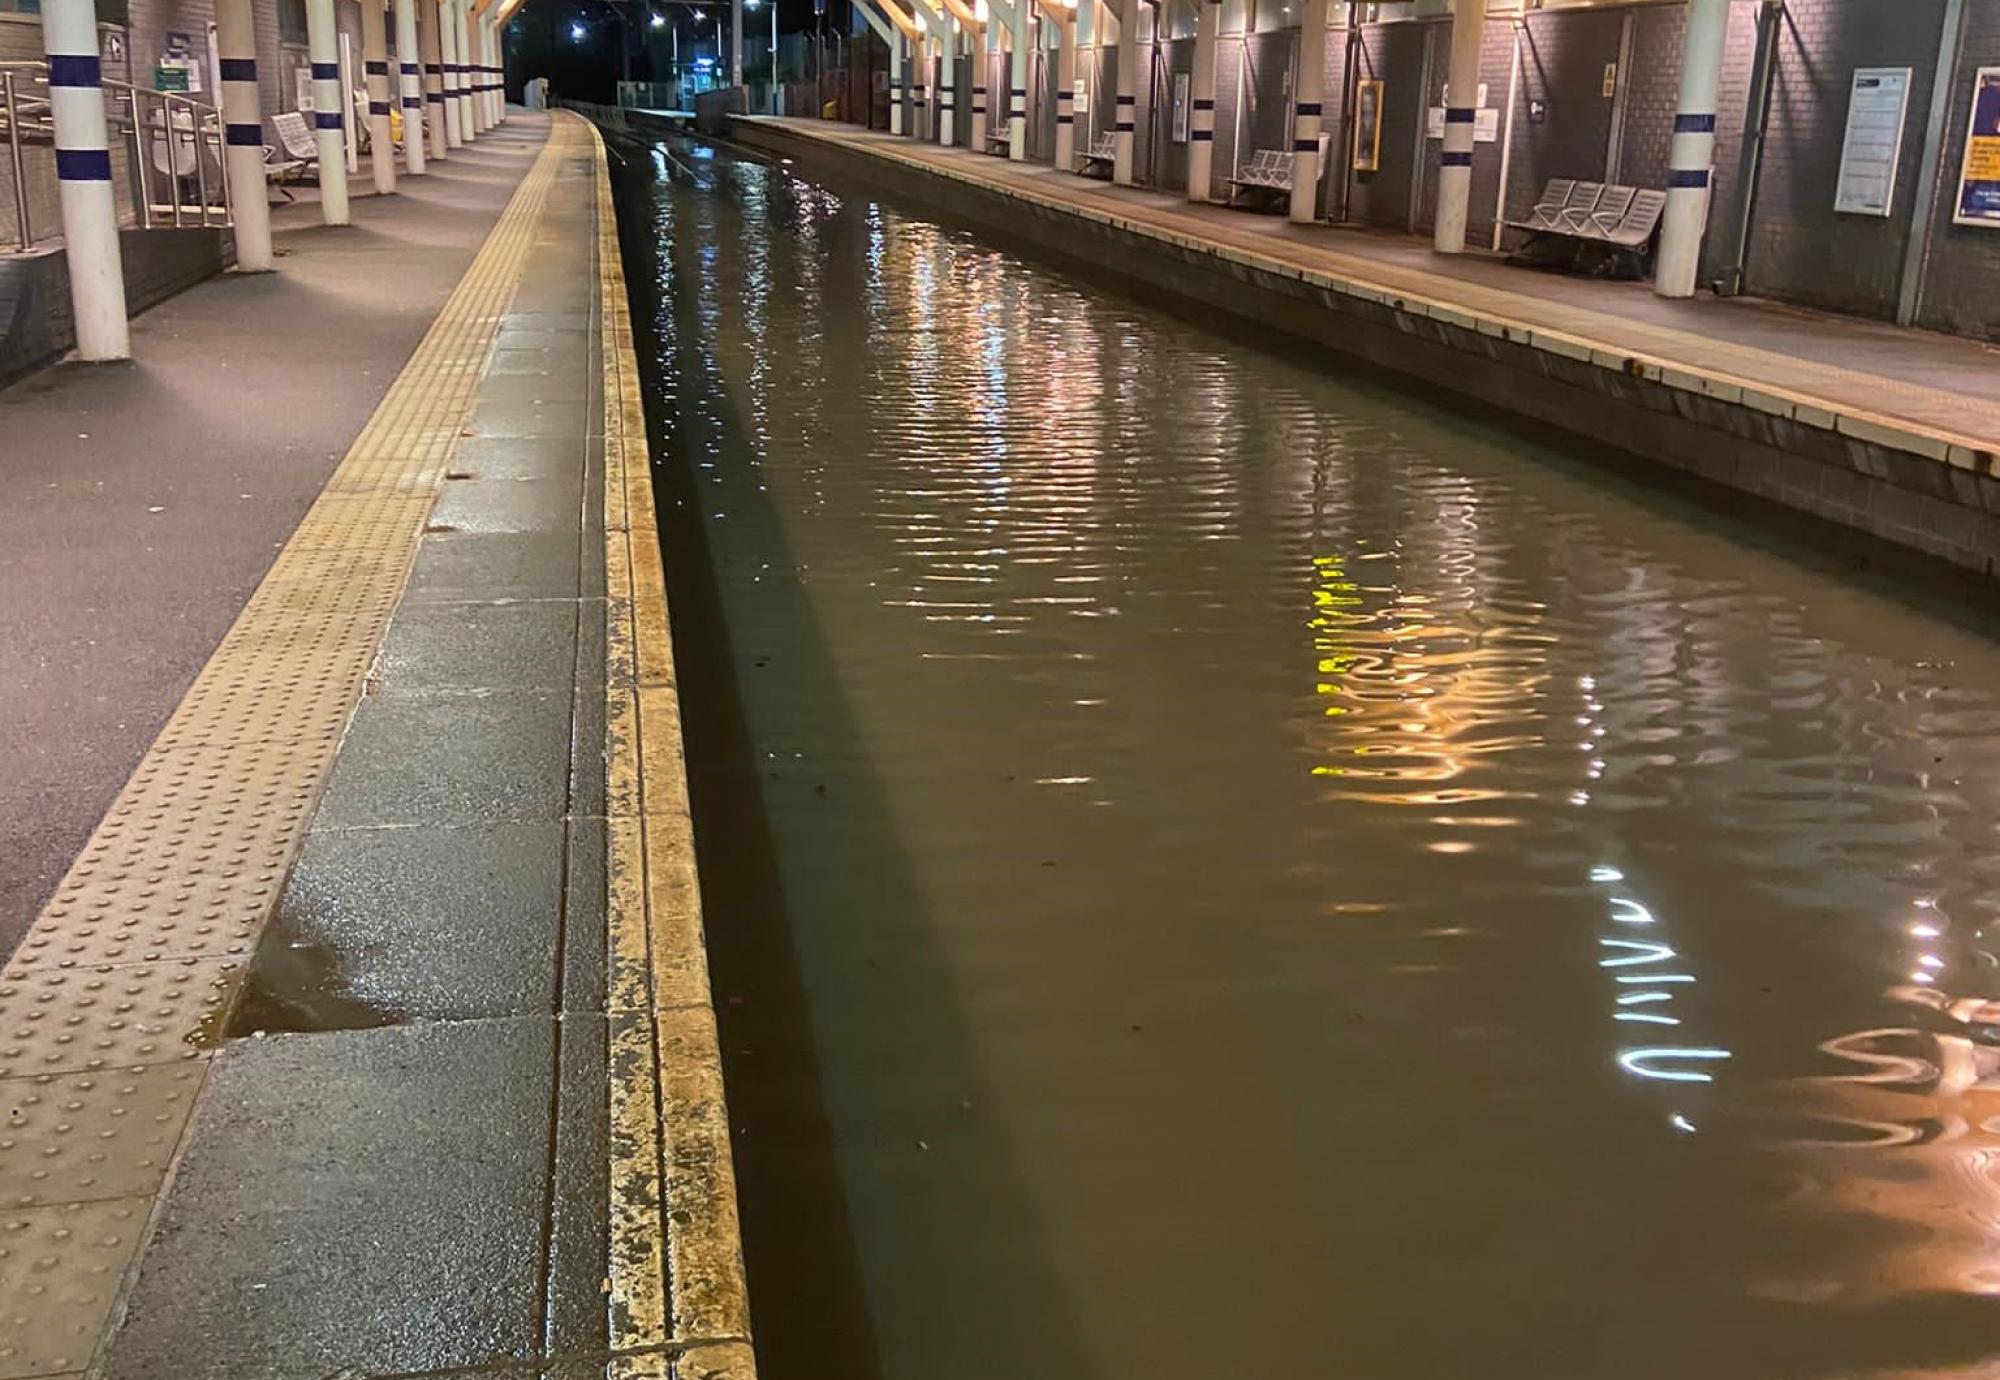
{"points": [[659, 20]]}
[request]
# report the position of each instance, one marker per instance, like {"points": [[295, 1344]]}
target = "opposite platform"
{"points": [[1891, 432]]}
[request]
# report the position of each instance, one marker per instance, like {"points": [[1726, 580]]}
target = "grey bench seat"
{"points": [[1592, 224]]}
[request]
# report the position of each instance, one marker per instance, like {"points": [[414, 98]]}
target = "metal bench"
{"points": [[1100, 156], [1265, 179], [297, 154], [1592, 226], [996, 139]]}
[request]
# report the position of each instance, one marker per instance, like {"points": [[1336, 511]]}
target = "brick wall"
{"points": [[1393, 54], [1800, 249], [1961, 272]]}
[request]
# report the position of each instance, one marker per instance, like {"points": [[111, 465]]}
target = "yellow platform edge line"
{"points": [[671, 1166], [132, 964]]}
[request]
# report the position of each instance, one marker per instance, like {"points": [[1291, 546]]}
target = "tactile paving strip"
{"points": [[124, 977]]}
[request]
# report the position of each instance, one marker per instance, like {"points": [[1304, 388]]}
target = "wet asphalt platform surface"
{"points": [[399, 1163]]}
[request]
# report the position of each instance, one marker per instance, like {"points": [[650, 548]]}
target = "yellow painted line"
{"points": [[130, 966], [676, 1257]]}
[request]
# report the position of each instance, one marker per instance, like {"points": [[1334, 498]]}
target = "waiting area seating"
{"points": [[1099, 157], [1596, 227], [1268, 173], [298, 154]]}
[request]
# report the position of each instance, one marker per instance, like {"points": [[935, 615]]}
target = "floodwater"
{"points": [[1217, 868]]}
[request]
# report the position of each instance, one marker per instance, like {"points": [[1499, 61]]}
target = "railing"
{"points": [[174, 159]]}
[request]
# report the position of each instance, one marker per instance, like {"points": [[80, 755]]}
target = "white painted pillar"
{"points": [[83, 170], [1306, 124], [1017, 82], [496, 73], [1066, 94], [736, 42], [468, 123], [243, 134], [1201, 101], [982, 73], [947, 122], [375, 70], [1125, 113], [1692, 156], [410, 87], [323, 48], [432, 48], [483, 34], [896, 45], [1468, 25], [454, 137]]}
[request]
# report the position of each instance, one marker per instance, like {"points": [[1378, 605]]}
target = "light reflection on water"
{"points": [[1288, 882]]}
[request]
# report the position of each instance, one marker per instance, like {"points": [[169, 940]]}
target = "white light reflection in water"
{"points": [[1653, 966]]}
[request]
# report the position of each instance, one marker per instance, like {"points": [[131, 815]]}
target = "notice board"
{"points": [[1979, 175], [1876, 104]]}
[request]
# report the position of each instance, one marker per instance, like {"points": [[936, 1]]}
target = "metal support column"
{"points": [[375, 75], [410, 87], [323, 46], [1461, 99], [1310, 96], [1692, 156]]}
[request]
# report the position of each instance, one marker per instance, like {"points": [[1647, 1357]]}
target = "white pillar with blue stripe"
{"points": [[896, 85], [83, 169], [1201, 101], [410, 87], [983, 54], [322, 44], [1066, 93], [375, 76], [454, 137], [1017, 82], [431, 46], [468, 128], [1125, 110], [1461, 99], [243, 134], [1691, 159], [947, 121], [1307, 126]]}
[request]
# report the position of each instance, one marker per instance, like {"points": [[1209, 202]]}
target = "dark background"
{"points": [[539, 44]]}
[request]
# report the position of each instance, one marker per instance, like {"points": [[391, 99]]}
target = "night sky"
{"points": [[539, 41]]}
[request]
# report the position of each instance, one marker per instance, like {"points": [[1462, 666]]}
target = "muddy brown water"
{"points": [[1215, 867]]}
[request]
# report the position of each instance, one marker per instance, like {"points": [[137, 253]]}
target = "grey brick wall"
{"points": [[1392, 54], [1961, 273], [1800, 249]]}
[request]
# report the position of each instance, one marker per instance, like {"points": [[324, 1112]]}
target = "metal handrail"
{"points": [[152, 119]]}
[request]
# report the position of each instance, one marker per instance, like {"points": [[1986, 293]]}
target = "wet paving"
{"points": [[1216, 867]]}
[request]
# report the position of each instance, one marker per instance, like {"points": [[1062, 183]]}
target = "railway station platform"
{"points": [[1891, 432], [356, 1020]]}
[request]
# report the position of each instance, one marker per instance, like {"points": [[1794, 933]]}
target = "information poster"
{"points": [[1181, 107], [1979, 178], [1876, 105], [1368, 126]]}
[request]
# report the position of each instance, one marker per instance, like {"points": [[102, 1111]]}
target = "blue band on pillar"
{"points": [[378, 107], [1451, 159], [1688, 177], [413, 102], [326, 71], [1201, 136], [1121, 127], [1308, 108], [244, 136], [433, 68], [1460, 115], [1694, 124], [1305, 146], [1201, 103], [83, 165], [410, 69], [1128, 100], [434, 97], [238, 69], [1065, 119], [374, 67], [326, 119], [75, 69]]}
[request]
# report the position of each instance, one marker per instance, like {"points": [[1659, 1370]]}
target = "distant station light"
{"points": [[659, 20], [576, 31]]}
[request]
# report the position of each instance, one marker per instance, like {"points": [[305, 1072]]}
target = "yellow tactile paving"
{"points": [[106, 1006], [673, 1185]]}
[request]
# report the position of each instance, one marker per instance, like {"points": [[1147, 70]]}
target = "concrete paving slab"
{"points": [[508, 504], [513, 457], [521, 413], [386, 926], [524, 646], [350, 1203], [474, 567], [487, 758], [578, 1320]]}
